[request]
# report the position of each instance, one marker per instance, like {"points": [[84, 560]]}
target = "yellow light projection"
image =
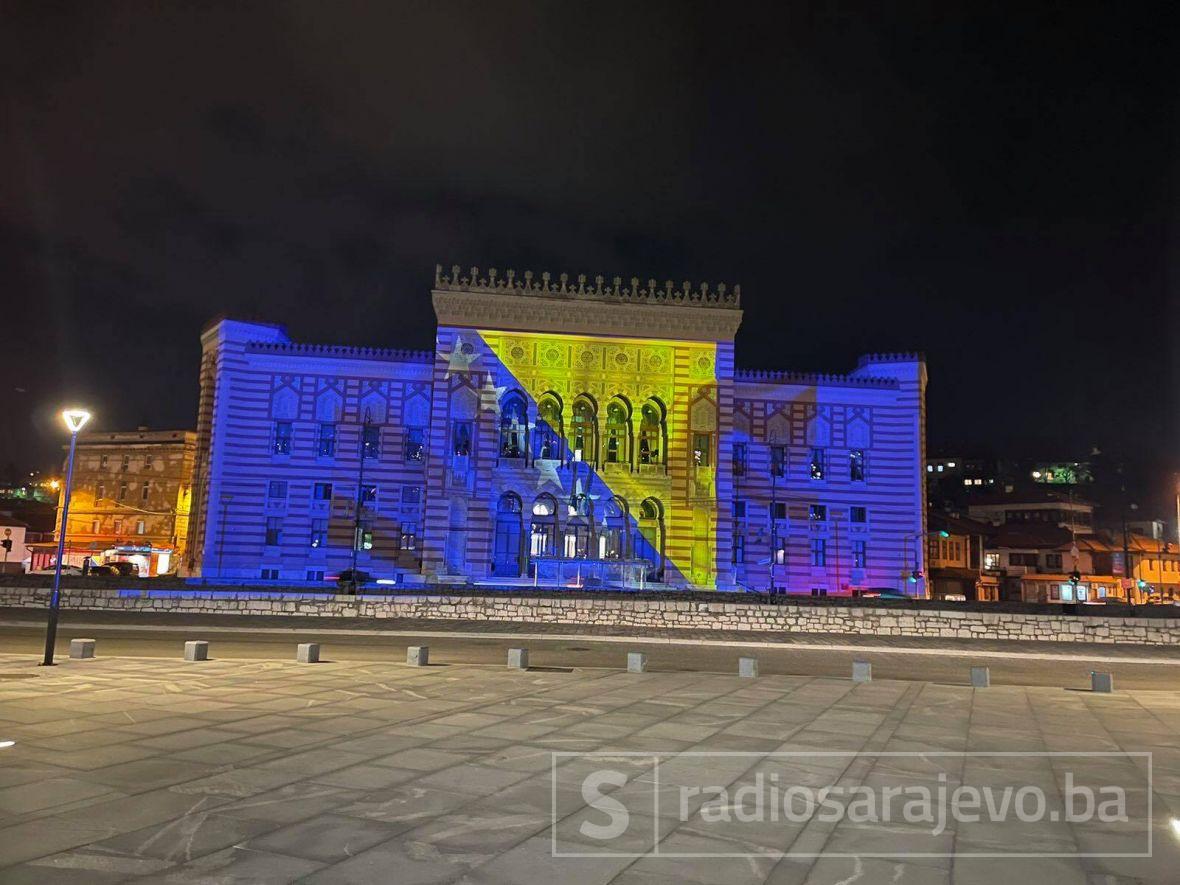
{"points": [[639, 419]]}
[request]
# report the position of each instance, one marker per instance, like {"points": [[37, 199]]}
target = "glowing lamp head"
{"points": [[944, 534], [75, 419]]}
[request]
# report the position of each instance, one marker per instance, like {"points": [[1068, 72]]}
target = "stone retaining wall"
{"points": [[654, 614]]}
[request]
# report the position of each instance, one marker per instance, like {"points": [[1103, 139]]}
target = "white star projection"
{"points": [[489, 396], [547, 473], [462, 355]]}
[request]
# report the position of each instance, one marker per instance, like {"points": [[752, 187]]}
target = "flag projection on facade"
{"points": [[562, 433]]}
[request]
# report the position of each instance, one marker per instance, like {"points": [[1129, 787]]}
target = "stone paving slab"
{"points": [[266, 771]]}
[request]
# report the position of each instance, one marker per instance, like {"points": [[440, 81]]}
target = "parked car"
{"points": [[115, 570], [65, 570], [348, 580]]}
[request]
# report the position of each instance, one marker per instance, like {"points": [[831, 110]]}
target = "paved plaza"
{"points": [[158, 770]]}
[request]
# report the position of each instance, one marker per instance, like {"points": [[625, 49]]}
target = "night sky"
{"points": [[997, 189]]}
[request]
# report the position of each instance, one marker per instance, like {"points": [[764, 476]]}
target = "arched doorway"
{"points": [[578, 527], [649, 537], [543, 528], [506, 545], [612, 535]]}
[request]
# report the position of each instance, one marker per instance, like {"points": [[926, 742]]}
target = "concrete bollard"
{"points": [[1101, 682], [307, 653], [518, 658], [418, 655], [981, 677], [636, 662], [747, 667], [82, 648], [196, 650], [862, 671]]}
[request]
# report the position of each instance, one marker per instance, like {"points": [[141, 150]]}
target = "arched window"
{"points": [[513, 421], [547, 439], [584, 430], [543, 530], [506, 546], [648, 542], [618, 432], [612, 538], [577, 526], [652, 433]]}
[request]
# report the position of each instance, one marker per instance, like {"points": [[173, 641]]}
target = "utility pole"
{"points": [[360, 496], [773, 519]]}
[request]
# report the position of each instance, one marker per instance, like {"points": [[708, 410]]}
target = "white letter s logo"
{"points": [[620, 819]]}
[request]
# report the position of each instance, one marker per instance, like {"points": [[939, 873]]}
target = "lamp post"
{"points": [[366, 422], [75, 420], [905, 547], [225, 499]]}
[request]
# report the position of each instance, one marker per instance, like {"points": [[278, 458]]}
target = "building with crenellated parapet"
{"points": [[564, 433]]}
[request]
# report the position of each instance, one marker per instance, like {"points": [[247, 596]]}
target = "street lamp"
{"points": [[905, 546], [75, 420]]}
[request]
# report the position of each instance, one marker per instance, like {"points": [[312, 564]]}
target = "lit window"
{"points": [[702, 449], [617, 435], [856, 465], [778, 460], [409, 535], [816, 466], [547, 436], [651, 433], [139, 527], [739, 459], [319, 533], [859, 554], [122, 491], [326, 444], [282, 438], [513, 420], [461, 438], [370, 441], [364, 536], [819, 552]]}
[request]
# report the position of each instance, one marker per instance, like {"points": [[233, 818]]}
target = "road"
{"points": [[1063, 665]]}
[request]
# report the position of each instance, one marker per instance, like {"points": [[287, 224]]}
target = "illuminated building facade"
{"points": [[130, 501], [563, 432]]}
